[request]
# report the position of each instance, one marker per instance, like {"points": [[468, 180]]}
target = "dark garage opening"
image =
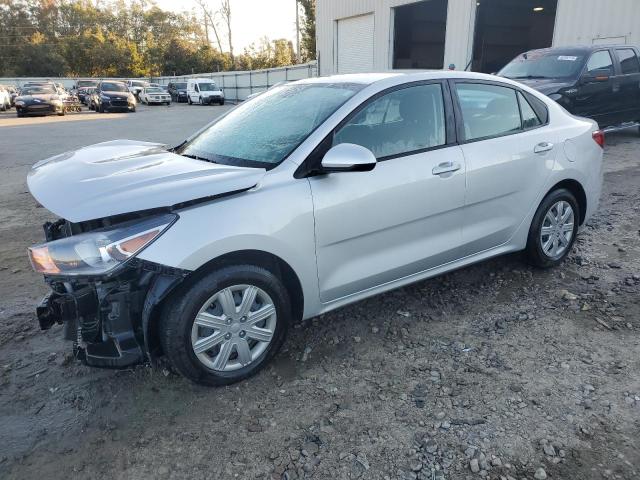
{"points": [[506, 28], [418, 34]]}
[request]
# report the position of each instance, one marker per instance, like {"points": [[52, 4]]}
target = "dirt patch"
{"points": [[496, 371]]}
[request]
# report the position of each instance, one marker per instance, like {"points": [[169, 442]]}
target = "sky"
{"points": [[250, 19]]}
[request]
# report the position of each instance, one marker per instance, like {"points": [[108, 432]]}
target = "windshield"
{"points": [[265, 130], [544, 65], [39, 90], [180, 86], [138, 83], [86, 83], [113, 87], [154, 90], [207, 87]]}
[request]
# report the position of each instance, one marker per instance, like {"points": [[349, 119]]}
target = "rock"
{"points": [[474, 466], [549, 450], [540, 474], [430, 445], [567, 295], [375, 330], [357, 339]]}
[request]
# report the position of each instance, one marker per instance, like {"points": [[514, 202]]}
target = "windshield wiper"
{"points": [[196, 157]]}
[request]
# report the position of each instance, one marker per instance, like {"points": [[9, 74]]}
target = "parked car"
{"points": [[178, 91], [83, 94], [208, 251], [204, 92], [92, 99], [594, 81], [136, 86], [13, 93], [5, 99], [37, 99], [85, 84], [151, 95], [112, 96]]}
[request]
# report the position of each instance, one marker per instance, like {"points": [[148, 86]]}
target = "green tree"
{"points": [[308, 30]]}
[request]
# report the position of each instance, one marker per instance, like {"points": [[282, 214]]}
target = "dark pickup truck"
{"points": [[595, 81]]}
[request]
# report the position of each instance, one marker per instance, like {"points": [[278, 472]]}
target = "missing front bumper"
{"points": [[108, 319]]}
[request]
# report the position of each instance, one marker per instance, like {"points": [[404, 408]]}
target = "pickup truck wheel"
{"points": [[226, 325], [553, 229]]}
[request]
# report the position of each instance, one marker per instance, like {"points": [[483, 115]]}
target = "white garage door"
{"points": [[355, 44]]}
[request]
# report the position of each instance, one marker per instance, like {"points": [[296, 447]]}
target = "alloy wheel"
{"points": [[233, 327], [557, 229]]}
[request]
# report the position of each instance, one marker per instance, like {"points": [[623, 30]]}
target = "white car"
{"points": [[150, 95], [204, 92], [5, 98], [136, 86], [314, 195]]}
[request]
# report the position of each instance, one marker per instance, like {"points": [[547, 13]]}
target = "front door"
{"points": [[404, 216], [629, 78], [598, 90]]}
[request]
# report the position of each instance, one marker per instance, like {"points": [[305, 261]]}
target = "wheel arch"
{"points": [[577, 190], [259, 258]]}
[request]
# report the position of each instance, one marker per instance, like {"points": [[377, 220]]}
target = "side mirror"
{"points": [[348, 157], [595, 76]]}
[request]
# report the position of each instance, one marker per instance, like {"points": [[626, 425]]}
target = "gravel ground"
{"points": [[495, 371]]}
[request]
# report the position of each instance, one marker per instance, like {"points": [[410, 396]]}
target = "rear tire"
{"points": [[211, 366], [553, 229]]}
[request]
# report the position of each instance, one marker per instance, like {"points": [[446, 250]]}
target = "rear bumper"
{"points": [[107, 319]]}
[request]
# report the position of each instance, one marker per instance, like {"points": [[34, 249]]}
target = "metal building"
{"points": [[478, 35]]}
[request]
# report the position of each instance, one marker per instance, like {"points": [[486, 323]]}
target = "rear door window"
{"points": [[628, 61], [600, 61], [529, 116], [488, 110]]}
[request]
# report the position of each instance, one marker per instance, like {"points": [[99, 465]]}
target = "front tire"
{"points": [[225, 326], [553, 229]]}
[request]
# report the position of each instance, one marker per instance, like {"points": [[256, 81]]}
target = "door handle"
{"points": [[446, 167], [543, 147]]}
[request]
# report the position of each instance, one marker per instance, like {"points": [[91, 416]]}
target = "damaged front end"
{"points": [[102, 294]]}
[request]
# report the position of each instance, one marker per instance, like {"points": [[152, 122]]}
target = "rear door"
{"points": [[509, 151], [598, 89], [629, 80]]}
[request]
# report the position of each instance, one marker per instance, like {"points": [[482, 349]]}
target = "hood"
{"points": [[546, 85], [124, 176], [109, 93], [45, 97]]}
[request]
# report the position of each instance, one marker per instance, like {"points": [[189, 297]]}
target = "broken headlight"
{"points": [[99, 251]]}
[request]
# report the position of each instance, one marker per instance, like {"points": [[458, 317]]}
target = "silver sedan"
{"points": [[311, 196]]}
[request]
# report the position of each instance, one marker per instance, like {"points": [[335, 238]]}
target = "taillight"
{"points": [[598, 137]]}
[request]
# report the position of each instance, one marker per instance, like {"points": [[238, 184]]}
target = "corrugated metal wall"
{"points": [[577, 22], [597, 21]]}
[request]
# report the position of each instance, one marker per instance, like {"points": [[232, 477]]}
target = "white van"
{"points": [[203, 91]]}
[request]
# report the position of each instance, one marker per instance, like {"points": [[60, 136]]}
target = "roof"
{"points": [[407, 76], [578, 48]]}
